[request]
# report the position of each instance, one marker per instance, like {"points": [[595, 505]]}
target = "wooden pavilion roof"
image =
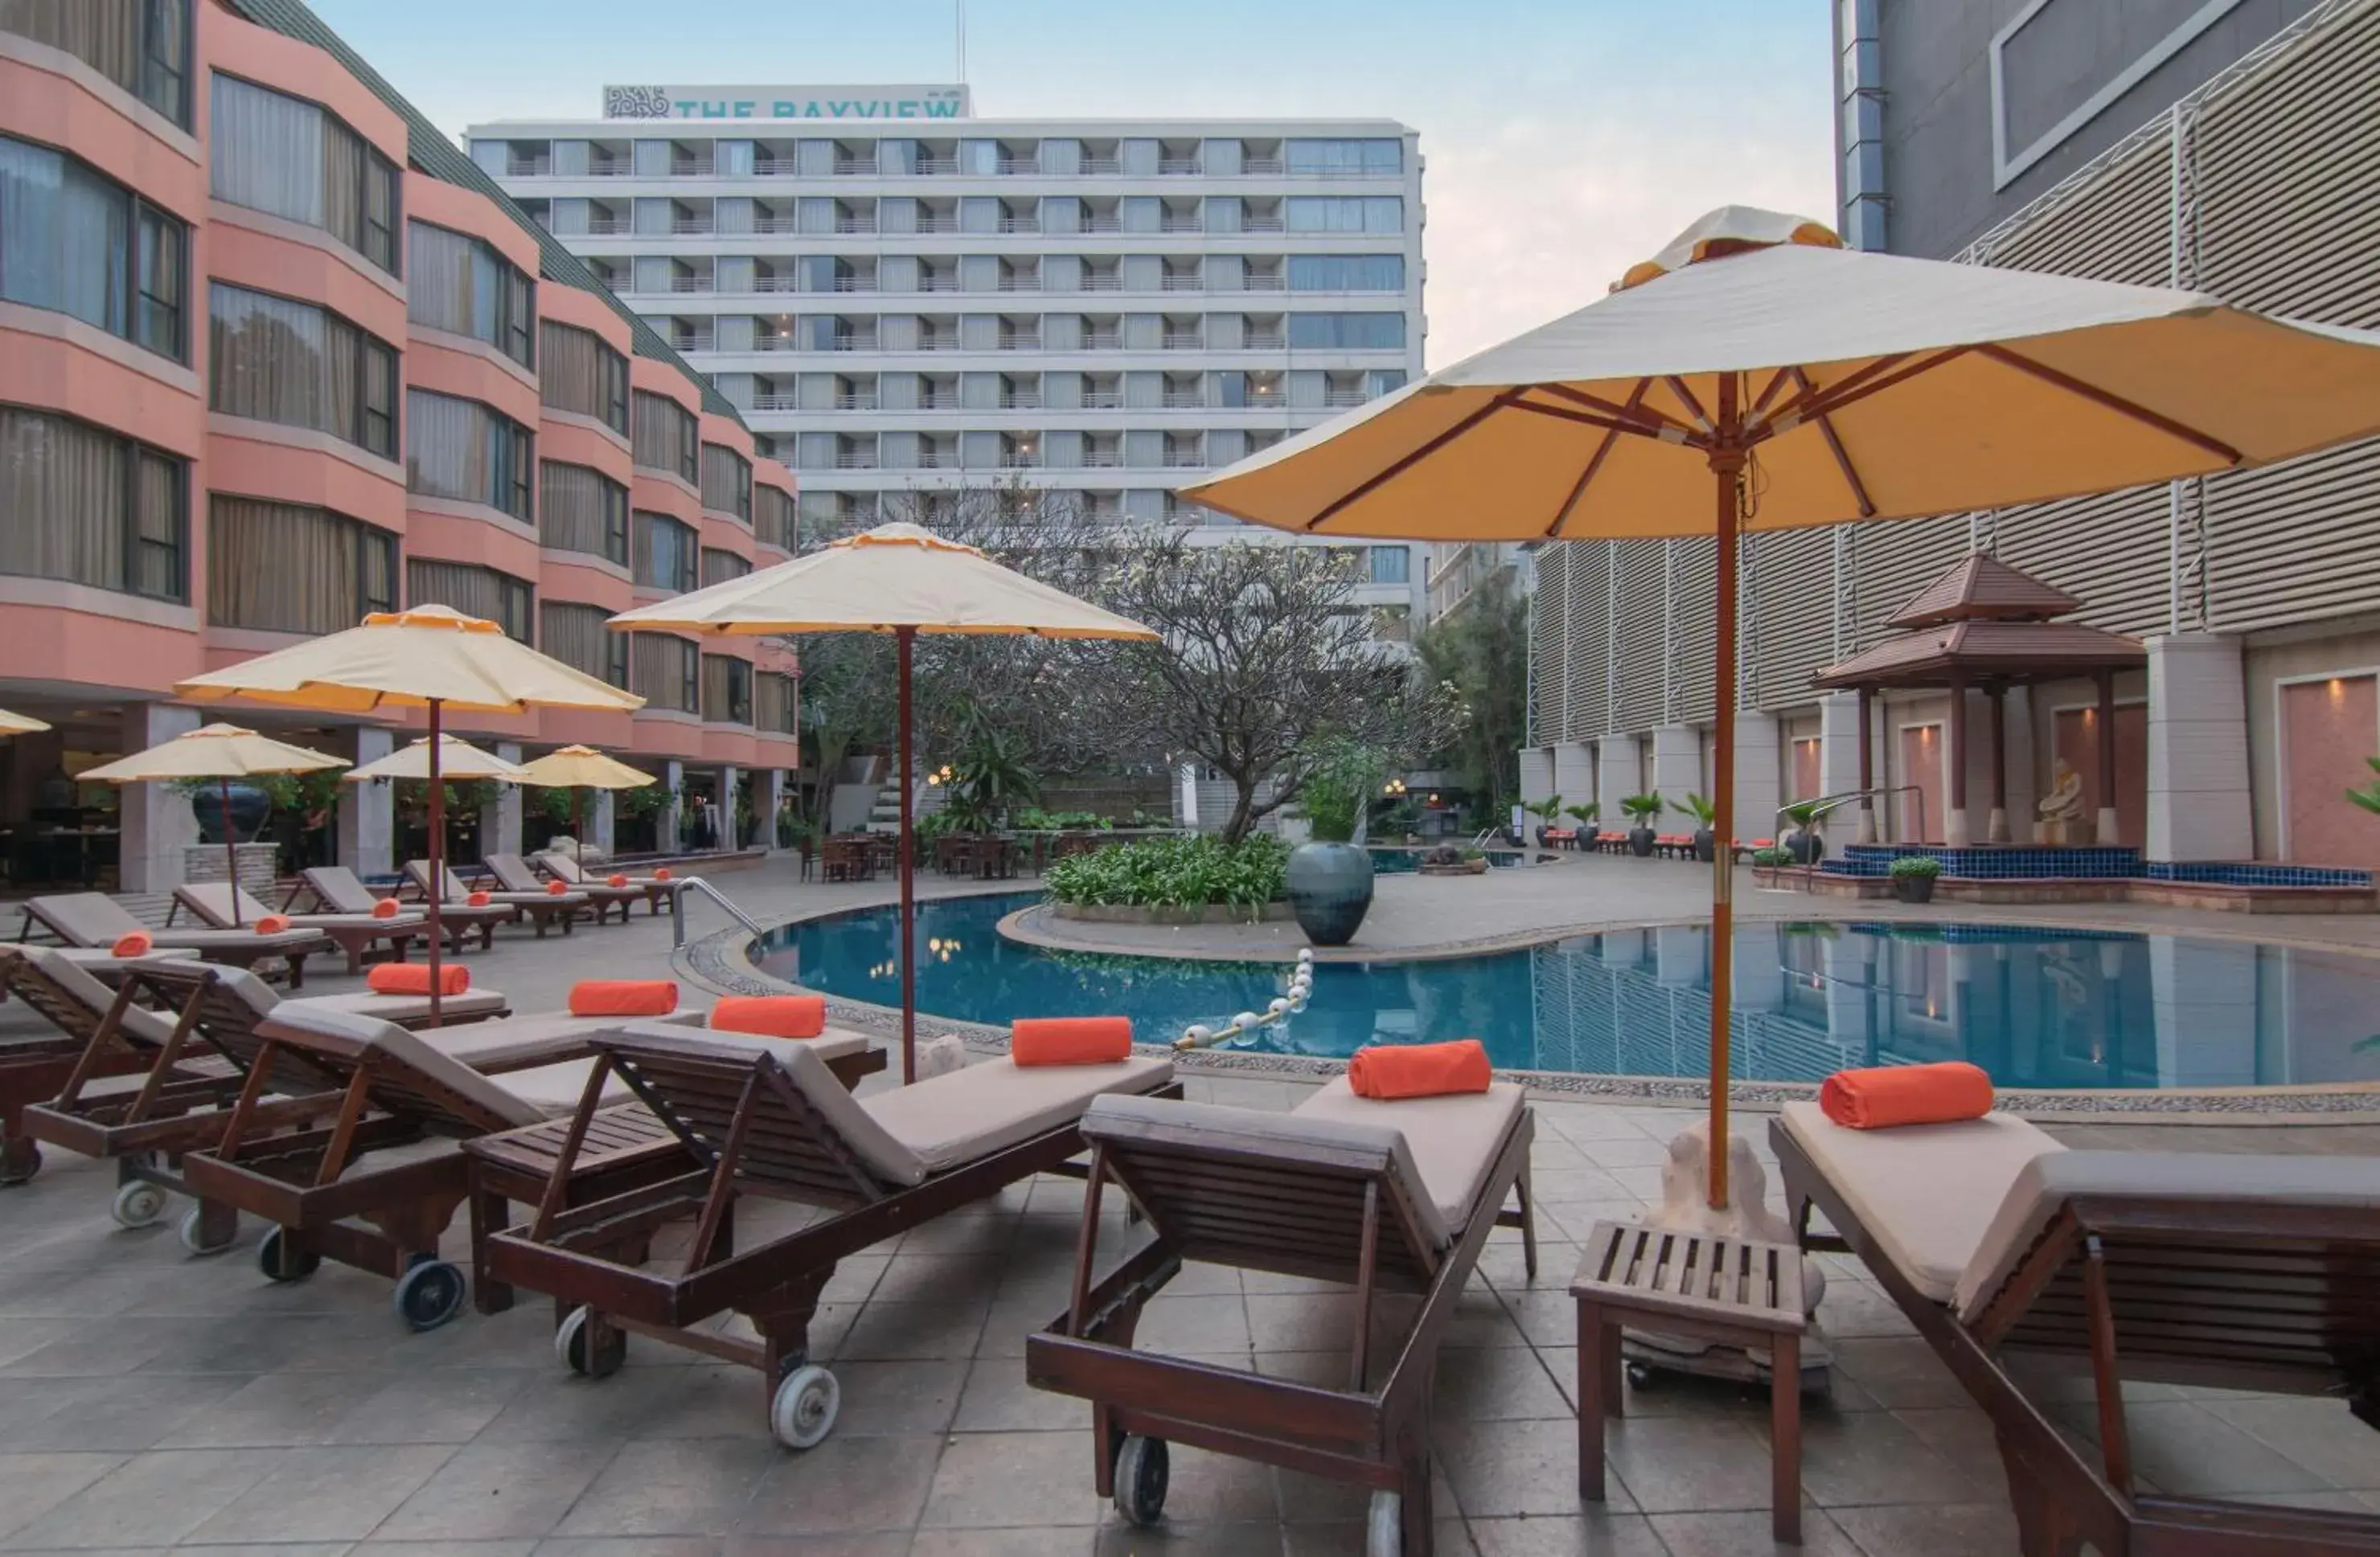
{"points": [[1983, 587], [1983, 622]]}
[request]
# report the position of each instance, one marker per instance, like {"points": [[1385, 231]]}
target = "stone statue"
{"points": [[2061, 808]]}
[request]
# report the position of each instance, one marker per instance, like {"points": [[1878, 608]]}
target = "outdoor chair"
{"points": [[1389, 1197], [93, 919], [338, 890], [353, 934], [514, 905], [517, 883], [2216, 1269], [651, 889], [33, 1069], [778, 1124]]}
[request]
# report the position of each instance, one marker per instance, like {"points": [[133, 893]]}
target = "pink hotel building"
{"points": [[275, 353]]}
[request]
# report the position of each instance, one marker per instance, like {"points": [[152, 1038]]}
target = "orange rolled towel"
{"points": [[660, 872], [770, 1016], [623, 997], [1888, 1095], [273, 924], [1419, 1070], [385, 908], [133, 944], [615, 878], [1070, 1040], [477, 900], [413, 979], [556, 888]]}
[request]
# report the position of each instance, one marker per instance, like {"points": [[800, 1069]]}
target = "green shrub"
{"points": [[1772, 857], [1339, 790], [1644, 808], [1175, 873], [1916, 865]]}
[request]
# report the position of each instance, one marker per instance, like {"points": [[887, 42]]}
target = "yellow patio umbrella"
{"points": [[578, 768], [1756, 375], [222, 752], [457, 758], [897, 578], [18, 725], [429, 657]]}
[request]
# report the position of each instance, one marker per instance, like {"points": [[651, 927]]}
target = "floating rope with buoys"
{"points": [[1243, 1027]]}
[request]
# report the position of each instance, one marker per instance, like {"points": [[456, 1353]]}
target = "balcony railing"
{"points": [[1181, 282], [1095, 222], [1262, 224], [690, 227], [690, 170], [776, 227], [929, 282], [1020, 224], [1179, 459], [858, 400], [1012, 166], [855, 459], [853, 284], [1253, 167], [1102, 281], [1263, 283], [931, 224], [776, 343], [1021, 341], [1172, 224], [854, 169], [775, 170], [1020, 283], [937, 165], [1177, 166], [1102, 459], [608, 226], [528, 167], [855, 223], [1255, 342], [776, 283], [938, 459], [1019, 459], [1185, 400], [938, 342], [775, 403], [1020, 400], [1340, 399], [620, 169], [1185, 342], [1102, 400], [1102, 340], [691, 343], [690, 284], [1095, 165]]}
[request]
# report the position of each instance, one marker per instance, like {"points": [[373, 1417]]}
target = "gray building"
{"points": [[2231, 146]]}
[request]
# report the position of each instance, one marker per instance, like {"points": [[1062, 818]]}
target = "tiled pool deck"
{"points": [[151, 1402]]}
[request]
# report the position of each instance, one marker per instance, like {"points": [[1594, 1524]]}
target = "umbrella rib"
{"points": [[1672, 434], [1650, 419], [1835, 446], [1871, 379], [1686, 398], [1408, 461], [1602, 452], [1776, 383], [2112, 401]]}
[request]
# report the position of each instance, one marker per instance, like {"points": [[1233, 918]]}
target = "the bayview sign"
{"points": [[787, 103]]}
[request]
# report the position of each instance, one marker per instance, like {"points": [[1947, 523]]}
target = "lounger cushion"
{"points": [[87, 919], [340, 888], [2045, 1184], [521, 1040], [831, 1044], [1925, 1193], [963, 1115], [1453, 1137], [1263, 1132], [212, 901], [554, 1091], [140, 1024], [309, 1028], [406, 1010]]}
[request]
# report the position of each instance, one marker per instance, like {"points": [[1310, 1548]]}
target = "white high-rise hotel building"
{"points": [[899, 295]]}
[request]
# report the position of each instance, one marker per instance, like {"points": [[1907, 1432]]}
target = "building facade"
{"points": [[2228, 147], [275, 354], [917, 298]]}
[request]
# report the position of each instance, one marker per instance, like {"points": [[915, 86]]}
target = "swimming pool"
{"points": [[2041, 1008]]}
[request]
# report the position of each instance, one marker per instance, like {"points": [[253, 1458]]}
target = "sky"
{"points": [[1563, 140]]}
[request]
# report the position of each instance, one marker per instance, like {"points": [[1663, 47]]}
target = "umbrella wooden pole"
{"points": [[1726, 465], [231, 848], [437, 863], [903, 640]]}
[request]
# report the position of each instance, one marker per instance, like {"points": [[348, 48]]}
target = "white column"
{"points": [[1623, 948], [1678, 954], [665, 821], [2205, 996], [1759, 966], [1618, 774], [729, 775], [1185, 796], [600, 810], [1849, 965], [500, 819], [2199, 804], [1759, 784], [156, 820], [1677, 773], [772, 801], [366, 816], [1573, 774], [1537, 772], [1839, 754]]}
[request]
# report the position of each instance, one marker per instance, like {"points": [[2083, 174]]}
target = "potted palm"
{"points": [[1584, 816], [1913, 876], [1704, 813], [1642, 809], [1802, 839], [1330, 879], [1548, 811]]}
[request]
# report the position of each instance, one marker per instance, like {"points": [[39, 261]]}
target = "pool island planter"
{"points": [[1330, 890], [1466, 868], [1277, 911]]}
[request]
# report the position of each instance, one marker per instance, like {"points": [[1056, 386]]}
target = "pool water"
{"points": [[2035, 1007]]}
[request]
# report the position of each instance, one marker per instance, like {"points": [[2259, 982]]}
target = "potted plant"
{"points": [[1913, 876], [1706, 840], [1642, 809], [1548, 811], [1803, 840], [1329, 877], [1771, 859], [1584, 816]]}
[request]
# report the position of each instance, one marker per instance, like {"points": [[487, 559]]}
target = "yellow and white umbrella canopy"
{"points": [[582, 767], [1756, 375], [457, 758], [18, 725], [222, 752]]}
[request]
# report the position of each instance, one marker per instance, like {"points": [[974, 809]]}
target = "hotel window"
{"points": [[1346, 213], [294, 159], [775, 704], [500, 598], [1391, 564], [726, 481], [668, 673], [662, 436], [577, 372], [141, 45], [776, 519], [720, 566], [1346, 273], [668, 553], [273, 359], [83, 506], [579, 509], [1347, 331], [460, 285], [1344, 159], [576, 636], [280, 569], [726, 691], [75, 242], [471, 453]]}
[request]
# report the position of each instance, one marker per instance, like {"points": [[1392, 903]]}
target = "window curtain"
{"points": [[720, 566], [275, 568], [576, 635], [446, 447], [662, 436], [266, 151], [774, 516], [104, 34], [579, 510], [774, 705], [577, 372], [268, 358], [665, 554], [438, 278], [726, 481], [61, 500], [160, 523], [65, 236], [475, 591], [665, 671]]}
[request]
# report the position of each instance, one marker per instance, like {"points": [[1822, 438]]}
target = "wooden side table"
{"points": [[1735, 1292]]}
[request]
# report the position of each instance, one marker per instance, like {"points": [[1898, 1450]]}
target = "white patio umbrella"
{"points": [[457, 758], [1756, 375]]}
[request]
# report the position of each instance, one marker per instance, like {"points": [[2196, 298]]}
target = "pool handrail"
{"points": [[678, 887]]}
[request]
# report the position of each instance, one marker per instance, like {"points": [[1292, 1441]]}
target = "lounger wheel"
{"points": [[802, 1411], [282, 1260], [193, 1233], [137, 1204], [428, 1294], [1384, 1526], [18, 1162], [1642, 1375], [570, 1345], [1141, 1472]]}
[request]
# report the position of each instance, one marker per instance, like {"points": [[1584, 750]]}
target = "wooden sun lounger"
{"points": [[338, 890], [602, 894], [778, 1123], [513, 875], [652, 889], [354, 934], [2209, 1268], [95, 920], [1389, 1197], [32, 1070], [542, 909]]}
